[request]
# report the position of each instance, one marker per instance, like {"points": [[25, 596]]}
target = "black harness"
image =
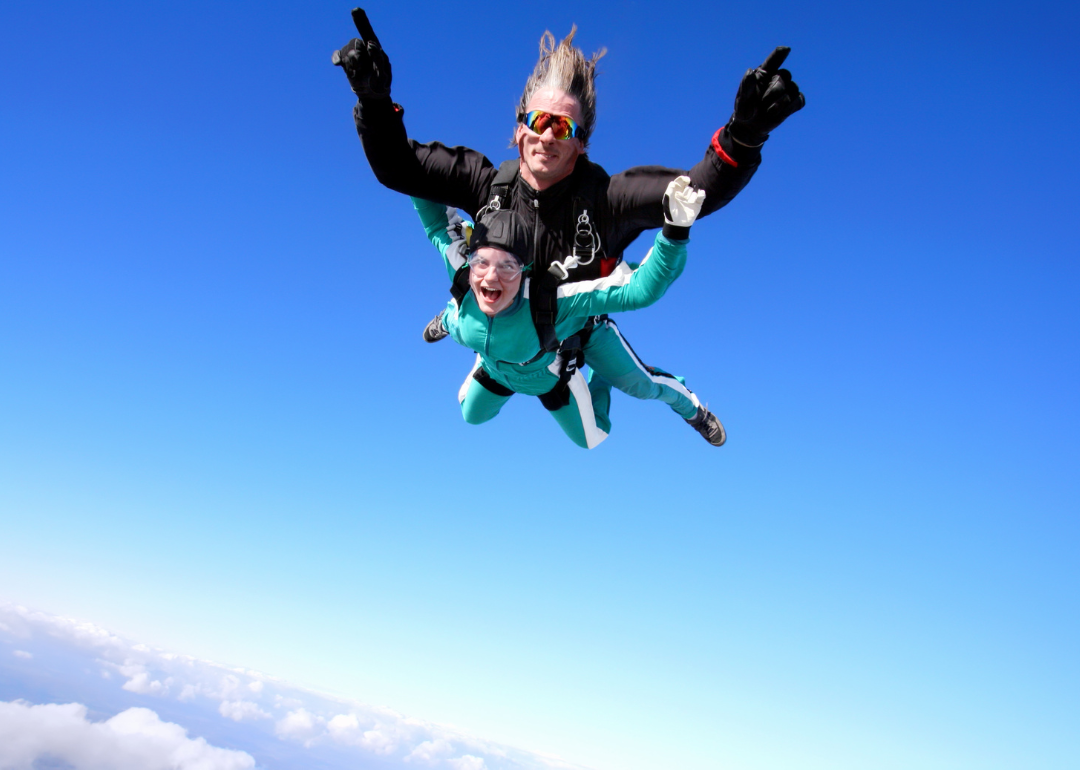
{"points": [[584, 260]]}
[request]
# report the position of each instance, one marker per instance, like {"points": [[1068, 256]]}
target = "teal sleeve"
{"points": [[433, 218], [625, 289]]}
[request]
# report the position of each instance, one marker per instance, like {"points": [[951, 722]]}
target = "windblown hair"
{"points": [[565, 68]]}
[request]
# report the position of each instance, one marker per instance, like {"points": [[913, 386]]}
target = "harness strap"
{"points": [[571, 359], [556, 398], [544, 306], [586, 249], [499, 193], [460, 285], [587, 245], [481, 376]]}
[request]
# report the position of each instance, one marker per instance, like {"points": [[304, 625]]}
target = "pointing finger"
{"points": [[771, 65], [367, 34]]}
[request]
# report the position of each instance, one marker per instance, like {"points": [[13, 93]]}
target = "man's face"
{"points": [[494, 293], [546, 160]]}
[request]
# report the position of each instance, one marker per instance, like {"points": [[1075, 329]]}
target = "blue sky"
{"points": [[222, 435]]}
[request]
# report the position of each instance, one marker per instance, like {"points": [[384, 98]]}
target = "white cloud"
{"points": [[142, 684], [300, 725], [229, 685], [135, 739], [239, 710], [430, 752], [468, 762], [380, 738], [286, 702], [343, 727], [272, 709], [22, 654]]}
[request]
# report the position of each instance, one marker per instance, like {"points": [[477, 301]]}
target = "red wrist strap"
{"points": [[720, 150]]}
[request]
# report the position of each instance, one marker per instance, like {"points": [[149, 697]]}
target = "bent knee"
{"points": [[580, 441], [475, 416]]}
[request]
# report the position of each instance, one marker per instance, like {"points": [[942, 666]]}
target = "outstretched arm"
{"points": [[627, 289], [453, 176], [446, 236], [766, 97]]}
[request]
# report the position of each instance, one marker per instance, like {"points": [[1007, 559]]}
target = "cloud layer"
{"points": [[135, 739], [236, 707]]}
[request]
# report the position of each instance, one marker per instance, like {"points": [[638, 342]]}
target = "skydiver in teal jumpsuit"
{"points": [[493, 318]]}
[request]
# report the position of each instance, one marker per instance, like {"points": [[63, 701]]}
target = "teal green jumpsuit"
{"points": [[507, 346]]}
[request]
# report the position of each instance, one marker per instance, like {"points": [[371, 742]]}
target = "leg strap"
{"points": [[556, 398], [481, 376], [570, 360]]}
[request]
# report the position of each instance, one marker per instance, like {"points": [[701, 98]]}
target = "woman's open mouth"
{"points": [[491, 295]]}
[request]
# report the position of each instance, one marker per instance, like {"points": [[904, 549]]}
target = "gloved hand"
{"points": [[364, 61], [457, 228], [767, 96], [682, 204]]}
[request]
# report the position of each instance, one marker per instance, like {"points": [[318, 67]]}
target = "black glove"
{"points": [[365, 63], [767, 96]]}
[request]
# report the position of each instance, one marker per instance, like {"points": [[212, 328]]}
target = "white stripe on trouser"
{"points": [[580, 390], [666, 381], [464, 389]]}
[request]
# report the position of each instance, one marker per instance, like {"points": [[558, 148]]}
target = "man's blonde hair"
{"points": [[565, 68]]}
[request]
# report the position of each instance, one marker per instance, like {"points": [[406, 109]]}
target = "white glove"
{"points": [[457, 228], [682, 203]]}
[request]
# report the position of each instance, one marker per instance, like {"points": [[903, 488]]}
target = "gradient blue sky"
{"points": [[221, 434]]}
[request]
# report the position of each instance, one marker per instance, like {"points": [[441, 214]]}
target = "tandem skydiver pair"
{"points": [[492, 313], [554, 187]]}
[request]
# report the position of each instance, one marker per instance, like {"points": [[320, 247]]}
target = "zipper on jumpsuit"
{"points": [[536, 229], [536, 247]]}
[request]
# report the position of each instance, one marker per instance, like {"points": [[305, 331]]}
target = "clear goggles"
{"points": [[506, 268]]}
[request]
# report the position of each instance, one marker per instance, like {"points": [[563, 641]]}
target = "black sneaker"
{"points": [[706, 423], [435, 330]]}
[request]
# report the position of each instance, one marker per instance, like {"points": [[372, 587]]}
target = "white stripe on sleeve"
{"points": [[620, 276]]}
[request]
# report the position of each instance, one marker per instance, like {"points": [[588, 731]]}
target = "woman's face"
{"points": [[493, 293]]}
